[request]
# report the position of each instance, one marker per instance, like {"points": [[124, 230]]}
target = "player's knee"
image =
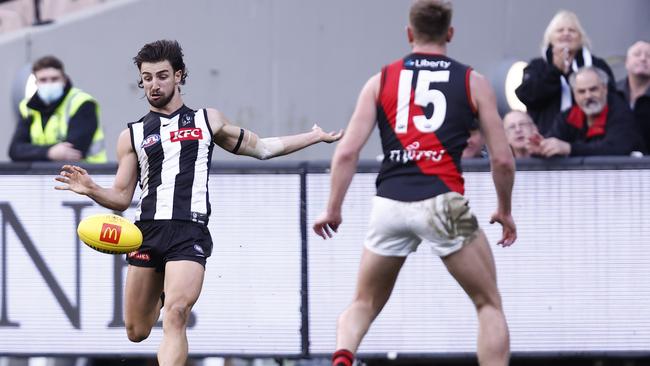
{"points": [[177, 314], [137, 333], [482, 301]]}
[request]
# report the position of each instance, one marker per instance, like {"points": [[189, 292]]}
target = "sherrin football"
{"points": [[108, 233]]}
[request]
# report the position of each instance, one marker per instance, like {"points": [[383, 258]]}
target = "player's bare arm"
{"points": [[119, 196], [244, 142], [501, 159], [346, 156]]}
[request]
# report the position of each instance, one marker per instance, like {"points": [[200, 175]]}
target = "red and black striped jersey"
{"points": [[424, 115]]}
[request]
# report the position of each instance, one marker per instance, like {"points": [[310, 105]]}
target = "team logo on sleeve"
{"points": [[185, 134], [150, 140]]}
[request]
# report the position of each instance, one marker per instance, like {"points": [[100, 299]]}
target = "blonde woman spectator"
{"points": [[545, 88]]}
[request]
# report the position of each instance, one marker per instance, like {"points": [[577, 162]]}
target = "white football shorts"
{"points": [[444, 222]]}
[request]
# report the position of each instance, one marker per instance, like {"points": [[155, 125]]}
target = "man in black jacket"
{"points": [[596, 125]]}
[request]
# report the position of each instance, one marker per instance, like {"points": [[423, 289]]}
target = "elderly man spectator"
{"points": [[597, 125], [636, 86], [519, 128]]}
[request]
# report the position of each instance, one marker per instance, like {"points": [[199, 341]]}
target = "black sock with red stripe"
{"points": [[342, 357]]}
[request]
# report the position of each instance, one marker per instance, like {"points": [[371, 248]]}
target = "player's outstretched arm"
{"points": [[119, 196], [244, 142], [501, 159], [346, 156]]}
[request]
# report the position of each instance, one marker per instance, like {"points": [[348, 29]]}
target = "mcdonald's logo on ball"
{"points": [[111, 233], [108, 233]]}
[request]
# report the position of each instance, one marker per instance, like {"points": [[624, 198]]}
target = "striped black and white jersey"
{"points": [[174, 153]]}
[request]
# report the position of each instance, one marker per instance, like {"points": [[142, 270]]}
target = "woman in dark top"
{"points": [[545, 89]]}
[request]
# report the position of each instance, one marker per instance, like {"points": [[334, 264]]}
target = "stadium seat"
{"points": [[10, 20], [54, 9], [24, 8]]}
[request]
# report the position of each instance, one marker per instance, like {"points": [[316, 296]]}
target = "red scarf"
{"points": [[576, 118]]}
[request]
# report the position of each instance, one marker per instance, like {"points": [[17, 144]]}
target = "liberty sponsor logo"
{"points": [[184, 134], [411, 153], [110, 233], [150, 140], [419, 63]]}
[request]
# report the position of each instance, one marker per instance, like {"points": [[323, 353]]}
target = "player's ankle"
{"points": [[342, 357]]}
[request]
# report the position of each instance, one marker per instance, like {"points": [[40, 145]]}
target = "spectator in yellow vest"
{"points": [[59, 122]]}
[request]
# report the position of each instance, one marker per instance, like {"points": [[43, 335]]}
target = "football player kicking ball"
{"points": [[424, 106], [169, 149]]}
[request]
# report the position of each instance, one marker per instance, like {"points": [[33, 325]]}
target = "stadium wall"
{"points": [[575, 283]]}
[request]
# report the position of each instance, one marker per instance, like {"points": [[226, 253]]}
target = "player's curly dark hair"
{"points": [[162, 50]]}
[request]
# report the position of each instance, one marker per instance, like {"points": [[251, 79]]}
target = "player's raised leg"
{"points": [[375, 282], [141, 301], [183, 282], [473, 267]]}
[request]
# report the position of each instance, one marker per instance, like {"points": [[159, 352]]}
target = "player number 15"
{"points": [[424, 96]]}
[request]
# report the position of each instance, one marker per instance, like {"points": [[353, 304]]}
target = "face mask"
{"points": [[50, 92]]}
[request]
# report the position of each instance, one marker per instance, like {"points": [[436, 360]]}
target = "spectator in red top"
{"points": [[597, 125]]}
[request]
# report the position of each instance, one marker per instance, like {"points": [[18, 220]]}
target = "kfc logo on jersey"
{"points": [[186, 134], [150, 140]]}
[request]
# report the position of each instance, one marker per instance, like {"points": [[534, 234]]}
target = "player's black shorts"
{"points": [[171, 240]]}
